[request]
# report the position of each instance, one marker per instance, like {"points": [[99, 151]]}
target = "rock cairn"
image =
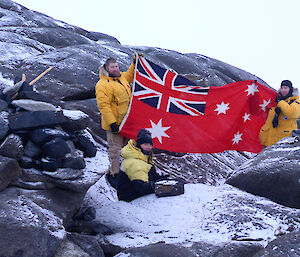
{"points": [[38, 133]]}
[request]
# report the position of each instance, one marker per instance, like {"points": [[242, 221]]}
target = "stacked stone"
{"points": [[38, 133]]}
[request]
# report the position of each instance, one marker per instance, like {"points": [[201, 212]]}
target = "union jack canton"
{"points": [[167, 91]]}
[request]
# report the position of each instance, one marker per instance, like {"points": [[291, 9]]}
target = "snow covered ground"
{"points": [[213, 214]]}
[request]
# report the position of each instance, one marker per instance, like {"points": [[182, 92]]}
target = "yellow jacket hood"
{"points": [[130, 151], [135, 164]]}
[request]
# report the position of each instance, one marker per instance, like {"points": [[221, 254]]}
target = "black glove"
{"points": [[275, 120], [152, 175], [114, 128], [153, 169], [277, 110]]}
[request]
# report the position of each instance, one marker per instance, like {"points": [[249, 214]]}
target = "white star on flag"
{"points": [[222, 108], [246, 117], [237, 138], [252, 89], [158, 130], [265, 104]]}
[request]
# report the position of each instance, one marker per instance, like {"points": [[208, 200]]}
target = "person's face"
{"points": [[147, 147], [284, 90], [113, 69]]}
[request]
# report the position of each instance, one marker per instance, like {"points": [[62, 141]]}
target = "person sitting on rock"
{"points": [[137, 175], [282, 119]]}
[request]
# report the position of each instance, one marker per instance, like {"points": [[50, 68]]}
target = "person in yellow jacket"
{"points": [[138, 175], [113, 95], [282, 119]]}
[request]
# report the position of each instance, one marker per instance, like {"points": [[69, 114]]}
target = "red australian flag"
{"points": [[184, 117]]}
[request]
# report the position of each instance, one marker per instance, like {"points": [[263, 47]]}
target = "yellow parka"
{"points": [[287, 121], [135, 164], [113, 96]]}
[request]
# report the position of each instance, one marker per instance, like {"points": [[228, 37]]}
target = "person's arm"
{"points": [[142, 187], [104, 100], [129, 74], [291, 111], [264, 129], [154, 176]]}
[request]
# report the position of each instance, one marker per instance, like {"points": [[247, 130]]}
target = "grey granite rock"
{"points": [[9, 171], [274, 173]]}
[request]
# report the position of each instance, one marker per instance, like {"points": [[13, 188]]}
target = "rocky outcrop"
{"points": [[38, 203], [78, 54], [274, 173], [38, 207]]}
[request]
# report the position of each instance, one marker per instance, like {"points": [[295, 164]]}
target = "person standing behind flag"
{"points": [[282, 119], [113, 95]]}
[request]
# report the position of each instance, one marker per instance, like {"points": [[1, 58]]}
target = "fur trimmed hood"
{"points": [[103, 72], [295, 91]]}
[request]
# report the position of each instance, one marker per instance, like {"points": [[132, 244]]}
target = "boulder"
{"points": [[49, 164], [36, 96], [85, 213], [85, 142], [12, 90], [56, 148], [32, 150], [12, 147], [3, 105], [232, 249], [285, 245], [161, 250], [274, 173], [89, 106], [2, 96], [43, 135], [3, 125], [30, 120], [92, 228], [197, 249], [33, 105], [64, 174], [69, 248], [32, 185], [88, 243], [9, 171], [26, 162], [31, 221], [74, 160], [25, 87], [77, 120], [80, 184]]}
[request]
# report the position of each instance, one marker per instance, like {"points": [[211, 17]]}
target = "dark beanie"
{"points": [[287, 83], [144, 136]]}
